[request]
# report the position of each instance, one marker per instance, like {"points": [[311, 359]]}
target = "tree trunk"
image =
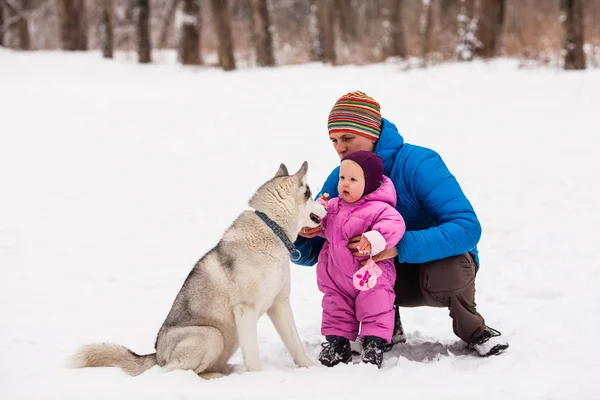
{"points": [[447, 21], [328, 18], [467, 31], [426, 27], [108, 23], [129, 10], [489, 27], [448, 11], [572, 22], [317, 41], [321, 22], [346, 20], [128, 37], [142, 23], [166, 24], [17, 26], [261, 22], [73, 24], [222, 19], [1, 24], [189, 40], [394, 44], [501, 12]]}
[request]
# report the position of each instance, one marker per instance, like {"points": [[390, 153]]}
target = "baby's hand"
{"points": [[323, 199], [364, 246]]}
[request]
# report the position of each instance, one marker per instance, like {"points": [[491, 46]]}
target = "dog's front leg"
{"points": [[246, 319], [281, 315]]}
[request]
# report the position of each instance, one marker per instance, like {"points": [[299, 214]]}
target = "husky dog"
{"points": [[245, 275]]}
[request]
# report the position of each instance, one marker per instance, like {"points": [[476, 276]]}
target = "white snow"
{"points": [[116, 177]]}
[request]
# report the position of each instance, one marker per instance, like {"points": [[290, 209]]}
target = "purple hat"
{"points": [[372, 167]]}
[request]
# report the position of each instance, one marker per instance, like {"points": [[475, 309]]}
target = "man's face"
{"points": [[345, 143]]}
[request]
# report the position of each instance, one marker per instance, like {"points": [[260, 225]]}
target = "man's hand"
{"points": [[310, 233], [384, 255]]}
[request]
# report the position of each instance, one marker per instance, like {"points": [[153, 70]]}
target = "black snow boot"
{"points": [[490, 343], [398, 336], [373, 348], [335, 350]]}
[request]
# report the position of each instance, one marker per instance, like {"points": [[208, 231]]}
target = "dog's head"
{"points": [[287, 194]]}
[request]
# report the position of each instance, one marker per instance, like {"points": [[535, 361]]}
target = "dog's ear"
{"points": [[302, 171], [282, 171]]}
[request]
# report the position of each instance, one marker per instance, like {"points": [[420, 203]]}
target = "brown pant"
{"points": [[450, 283]]}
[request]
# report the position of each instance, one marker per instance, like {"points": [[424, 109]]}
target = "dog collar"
{"points": [[294, 252]]}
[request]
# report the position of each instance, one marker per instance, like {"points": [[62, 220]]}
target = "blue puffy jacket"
{"points": [[440, 221]]}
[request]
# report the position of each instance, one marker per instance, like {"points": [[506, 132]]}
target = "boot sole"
{"points": [[497, 350], [336, 363], [390, 346]]}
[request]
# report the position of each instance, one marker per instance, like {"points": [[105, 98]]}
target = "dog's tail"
{"points": [[112, 355]]}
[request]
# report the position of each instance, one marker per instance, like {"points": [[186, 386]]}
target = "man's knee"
{"points": [[448, 277]]}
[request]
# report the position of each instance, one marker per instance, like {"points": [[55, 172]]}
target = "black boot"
{"points": [[373, 348], [335, 350], [490, 343], [398, 336]]}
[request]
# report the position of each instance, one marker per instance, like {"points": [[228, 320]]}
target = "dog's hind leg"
{"points": [[246, 319], [281, 315], [199, 348]]}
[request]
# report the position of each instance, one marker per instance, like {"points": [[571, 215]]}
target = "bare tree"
{"points": [[166, 23], [189, 39], [16, 25], [572, 22], [263, 40], [394, 44], [467, 31], [222, 20], [142, 23], [317, 41], [321, 26], [129, 9], [448, 11], [108, 23], [1, 24], [501, 12], [489, 27], [425, 28], [73, 24], [346, 19], [125, 24]]}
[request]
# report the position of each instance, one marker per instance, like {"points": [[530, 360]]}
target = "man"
{"points": [[437, 259]]}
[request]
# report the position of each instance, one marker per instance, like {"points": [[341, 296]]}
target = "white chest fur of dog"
{"points": [[246, 275]]}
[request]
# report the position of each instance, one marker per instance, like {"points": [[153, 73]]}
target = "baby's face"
{"points": [[351, 185]]}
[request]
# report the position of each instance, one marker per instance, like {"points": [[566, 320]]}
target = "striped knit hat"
{"points": [[358, 113]]}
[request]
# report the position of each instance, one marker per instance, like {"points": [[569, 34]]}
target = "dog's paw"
{"points": [[305, 362], [253, 367]]}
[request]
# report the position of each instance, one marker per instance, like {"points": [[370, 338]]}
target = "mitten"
{"points": [[366, 277]]}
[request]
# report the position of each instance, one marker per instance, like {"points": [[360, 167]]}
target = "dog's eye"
{"points": [[307, 193]]}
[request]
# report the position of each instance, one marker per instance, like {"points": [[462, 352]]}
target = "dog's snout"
{"points": [[315, 218]]}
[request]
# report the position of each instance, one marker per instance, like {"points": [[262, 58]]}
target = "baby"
{"points": [[356, 294]]}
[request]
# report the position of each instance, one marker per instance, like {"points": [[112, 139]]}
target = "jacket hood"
{"points": [[389, 142], [386, 192]]}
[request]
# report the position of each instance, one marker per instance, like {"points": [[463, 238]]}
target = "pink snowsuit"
{"points": [[345, 306]]}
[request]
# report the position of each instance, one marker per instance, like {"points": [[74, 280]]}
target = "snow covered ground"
{"points": [[115, 178]]}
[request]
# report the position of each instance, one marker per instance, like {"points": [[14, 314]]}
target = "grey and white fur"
{"points": [[217, 309]]}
